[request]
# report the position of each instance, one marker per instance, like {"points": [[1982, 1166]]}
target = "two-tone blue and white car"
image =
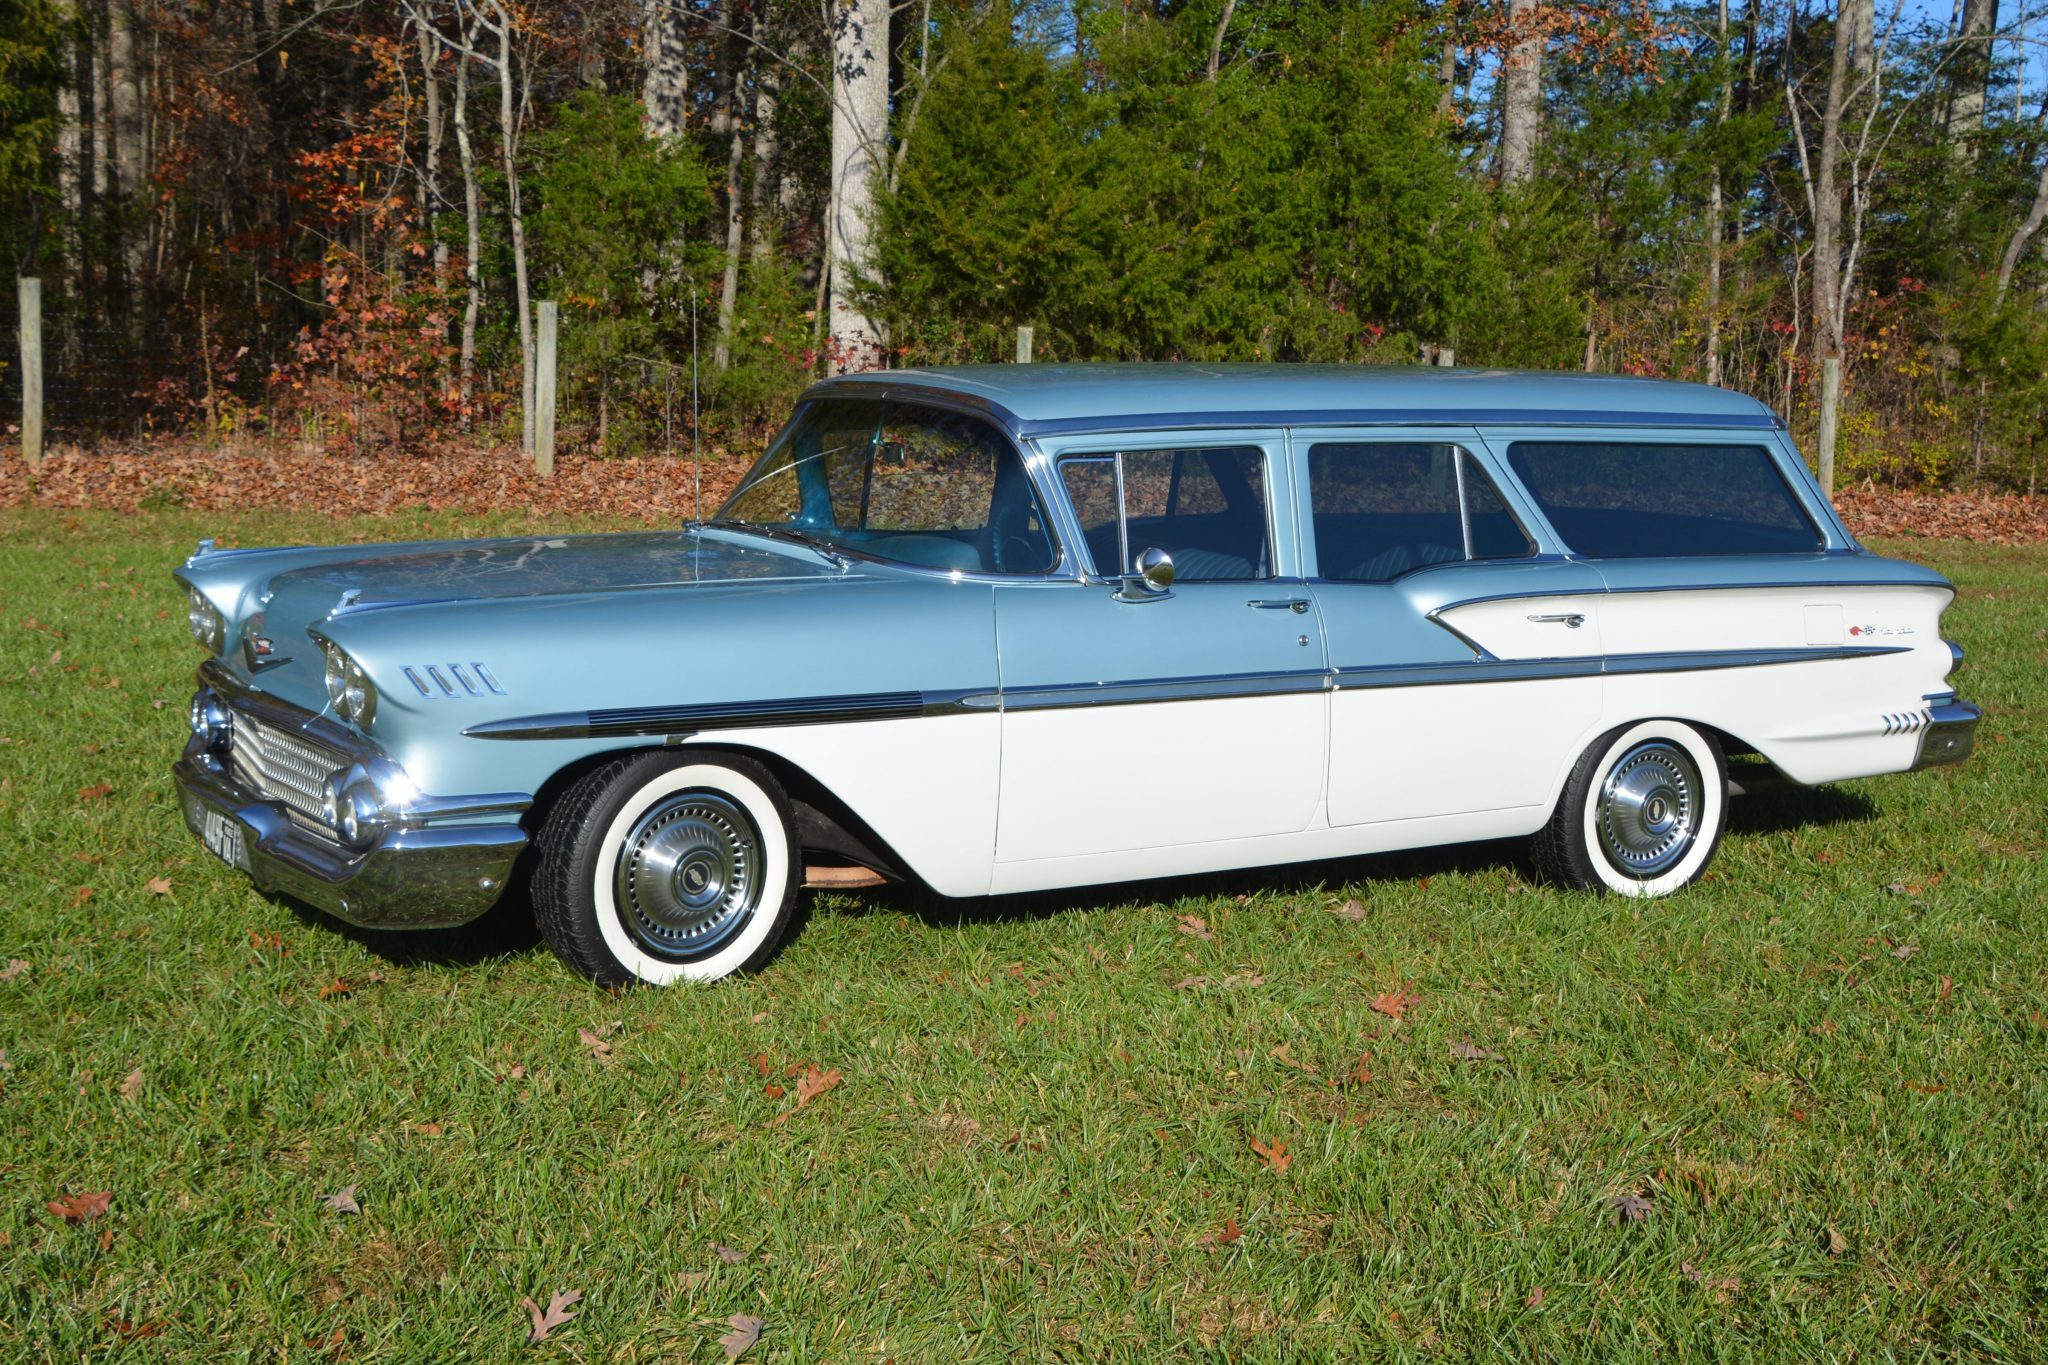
{"points": [[1002, 629]]}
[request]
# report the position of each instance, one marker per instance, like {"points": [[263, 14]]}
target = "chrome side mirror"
{"points": [[1152, 580]]}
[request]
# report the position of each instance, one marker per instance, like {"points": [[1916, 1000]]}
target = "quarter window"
{"points": [[1382, 508], [1657, 500], [1206, 508]]}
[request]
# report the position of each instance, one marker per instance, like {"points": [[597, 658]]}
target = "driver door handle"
{"points": [[1297, 605]]}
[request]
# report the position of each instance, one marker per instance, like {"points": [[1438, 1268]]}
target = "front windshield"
{"points": [[898, 481]]}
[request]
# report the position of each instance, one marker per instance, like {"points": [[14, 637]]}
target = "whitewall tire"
{"points": [[666, 867], [1642, 813]]}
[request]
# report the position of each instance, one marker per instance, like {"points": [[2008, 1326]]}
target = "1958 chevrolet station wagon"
{"points": [[999, 629]]}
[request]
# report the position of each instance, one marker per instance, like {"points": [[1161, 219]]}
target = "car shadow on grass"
{"points": [[506, 930]]}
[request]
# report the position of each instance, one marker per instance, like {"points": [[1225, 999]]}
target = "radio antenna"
{"points": [[696, 460]]}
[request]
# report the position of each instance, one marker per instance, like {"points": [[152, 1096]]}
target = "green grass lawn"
{"points": [[1823, 1069]]}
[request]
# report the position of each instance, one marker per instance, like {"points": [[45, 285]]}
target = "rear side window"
{"points": [[1652, 500], [1382, 508]]}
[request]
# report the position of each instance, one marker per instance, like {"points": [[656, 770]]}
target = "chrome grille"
{"points": [[279, 766]]}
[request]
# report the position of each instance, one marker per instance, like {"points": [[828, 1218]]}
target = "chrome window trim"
{"points": [[1760, 585], [1271, 443], [1371, 417], [1823, 528], [1468, 451], [1064, 565]]}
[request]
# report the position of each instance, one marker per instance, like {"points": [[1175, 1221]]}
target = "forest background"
{"points": [[322, 225]]}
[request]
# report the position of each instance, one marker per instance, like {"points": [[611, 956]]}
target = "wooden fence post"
{"points": [[1830, 406], [544, 392], [32, 371], [1023, 345]]}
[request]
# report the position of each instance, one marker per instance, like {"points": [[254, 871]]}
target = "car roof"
{"points": [[1038, 400]]}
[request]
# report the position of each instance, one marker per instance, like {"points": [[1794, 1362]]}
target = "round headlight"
{"points": [[358, 696], [205, 620], [337, 672]]}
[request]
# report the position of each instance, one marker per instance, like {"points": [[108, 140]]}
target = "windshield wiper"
{"points": [[814, 544]]}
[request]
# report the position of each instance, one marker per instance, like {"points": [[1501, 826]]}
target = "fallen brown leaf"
{"points": [[158, 886], [1629, 1208], [1905, 950], [745, 1332], [599, 1049], [338, 986], [727, 1254], [1835, 1242], [1351, 910], [427, 1129], [1276, 1155], [1466, 1051], [814, 1084], [773, 1091], [546, 1320], [131, 1084], [107, 1238], [1284, 1055], [80, 1208], [1194, 926], [1536, 1297], [1395, 1004], [1229, 1233], [342, 1200], [15, 967], [1947, 985], [96, 792], [81, 895], [1186, 983], [762, 1064]]}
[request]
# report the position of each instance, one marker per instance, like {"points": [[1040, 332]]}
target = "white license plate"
{"points": [[223, 837]]}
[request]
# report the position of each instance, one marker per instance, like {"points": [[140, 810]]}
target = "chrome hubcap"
{"points": [[689, 874], [1649, 810]]}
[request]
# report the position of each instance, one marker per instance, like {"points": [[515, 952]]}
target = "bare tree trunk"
{"points": [[1216, 43], [508, 143], [1447, 77], [860, 126], [735, 216], [1521, 81], [767, 152], [471, 270], [665, 88], [430, 169], [1853, 54], [125, 90], [1970, 74], [1715, 213], [71, 146], [2023, 234]]}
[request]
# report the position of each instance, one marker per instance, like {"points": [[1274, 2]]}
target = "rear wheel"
{"points": [[1642, 813], [667, 867]]}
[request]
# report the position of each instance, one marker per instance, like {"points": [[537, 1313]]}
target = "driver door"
{"points": [[1135, 722]]}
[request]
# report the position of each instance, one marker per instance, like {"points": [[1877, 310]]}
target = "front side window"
{"points": [[1658, 500], [1382, 508], [1206, 508], [899, 481]]}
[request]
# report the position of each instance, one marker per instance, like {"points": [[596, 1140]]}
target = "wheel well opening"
{"points": [[825, 825]]}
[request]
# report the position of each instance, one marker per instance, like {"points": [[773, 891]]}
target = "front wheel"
{"points": [[666, 867], [1642, 813]]}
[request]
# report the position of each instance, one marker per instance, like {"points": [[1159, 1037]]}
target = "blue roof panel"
{"points": [[1040, 399]]}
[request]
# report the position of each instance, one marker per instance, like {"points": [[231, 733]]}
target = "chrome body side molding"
{"points": [[678, 721]]}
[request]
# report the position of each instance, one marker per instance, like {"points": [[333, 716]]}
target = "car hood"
{"points": [[527, 567]]}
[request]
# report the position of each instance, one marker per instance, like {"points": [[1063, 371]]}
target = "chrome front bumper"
{"points": [[409, 878], [1951, 733]]}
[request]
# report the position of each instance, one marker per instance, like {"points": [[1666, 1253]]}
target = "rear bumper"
{"points": [[1951, 734], [409, 878]]}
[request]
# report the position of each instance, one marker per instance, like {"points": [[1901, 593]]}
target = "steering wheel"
{"points": [[1013, 545]]}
